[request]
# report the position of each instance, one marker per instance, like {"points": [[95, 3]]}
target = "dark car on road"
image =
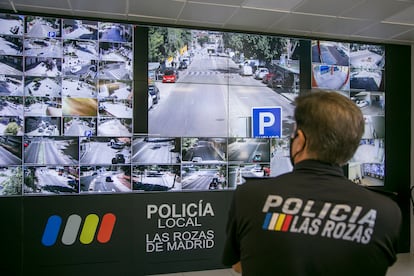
{"points": [[183, 65], [267, 77], [118, 159], [277, 81]]}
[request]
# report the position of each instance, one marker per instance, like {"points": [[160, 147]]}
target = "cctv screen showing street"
{"points": [[357, 71], [67, 106], [217, 78]]}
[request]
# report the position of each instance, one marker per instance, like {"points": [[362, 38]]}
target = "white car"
{"points": [[150, 101], [260, 73], [361, 103], [197, 159], [246, 70], [75, 69]]}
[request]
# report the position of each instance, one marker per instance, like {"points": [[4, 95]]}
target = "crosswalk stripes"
{"points": [[205, 73], [209, 73]]}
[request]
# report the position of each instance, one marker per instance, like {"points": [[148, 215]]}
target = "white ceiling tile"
{"points": [[156, 8], [252, 18], [303, 22], [200, 24], [382, 30], [101, 15], [42, 3], [282, 5], [48, 10], [375, 9], [346, 19], [109, 6], [5, 5], [407, 36], [206, 13], [151, 20], [219, 2], [326, 7], [343, 26], [405, 17]]}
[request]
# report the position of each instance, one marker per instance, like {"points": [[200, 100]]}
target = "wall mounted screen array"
{"points": [[67, 105]]}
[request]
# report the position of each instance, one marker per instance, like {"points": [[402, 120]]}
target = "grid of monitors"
{"points": [[61, 81], [357, 71], [66, 107]]}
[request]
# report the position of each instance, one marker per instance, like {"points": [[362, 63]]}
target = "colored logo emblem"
{"points": [[90, 229], [277, 222]]}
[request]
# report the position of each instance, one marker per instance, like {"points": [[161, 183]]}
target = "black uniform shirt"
{"points": [[312, 221]]}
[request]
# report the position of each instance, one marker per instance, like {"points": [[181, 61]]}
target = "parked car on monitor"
{"points": [[266, 78], [118, 145], [150, 101], [260, 73], [361, 103], [246, 70], [154, 92], [276, 81]]}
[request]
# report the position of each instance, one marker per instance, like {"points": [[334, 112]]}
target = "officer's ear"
{"points": [[301, 138]]}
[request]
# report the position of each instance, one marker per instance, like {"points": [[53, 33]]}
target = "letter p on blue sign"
{"points": [[267, 122]]}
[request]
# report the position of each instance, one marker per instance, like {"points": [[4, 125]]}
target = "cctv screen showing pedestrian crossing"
{"points": [[67, 107]]}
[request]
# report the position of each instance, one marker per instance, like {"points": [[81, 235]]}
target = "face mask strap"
{"points": [[296, 134]]}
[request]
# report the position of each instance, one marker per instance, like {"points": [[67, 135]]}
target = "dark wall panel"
{"points": [[398, 131]]}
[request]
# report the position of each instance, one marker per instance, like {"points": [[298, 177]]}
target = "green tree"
{"points": [[155, 43], [166, 42], [12, 129], [262, 47], [13, 185], [202, 40]]}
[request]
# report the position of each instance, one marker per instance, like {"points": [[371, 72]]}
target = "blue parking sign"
{"points": [[88, 133], [267, 122]]}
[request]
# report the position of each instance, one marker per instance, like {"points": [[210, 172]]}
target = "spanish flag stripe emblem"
{"points": [[273, 221], [279, 222], [286, 223], [267, 221]]}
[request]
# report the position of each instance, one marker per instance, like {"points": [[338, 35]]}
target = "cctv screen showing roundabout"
{"points": [[67, 106]]}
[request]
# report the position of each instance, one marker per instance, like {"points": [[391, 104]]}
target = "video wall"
{"points": [[357, 71], [67, 106]]}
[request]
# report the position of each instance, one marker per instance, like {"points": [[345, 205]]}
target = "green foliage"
{"points": [[166, 42], [253, 46], [13, 184], [12, 129], [202, 40]]}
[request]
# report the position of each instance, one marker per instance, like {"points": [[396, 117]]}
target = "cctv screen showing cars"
{"points": [[67, 106]]}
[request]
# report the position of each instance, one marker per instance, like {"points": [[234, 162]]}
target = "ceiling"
{"points": [[382, 21]]}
